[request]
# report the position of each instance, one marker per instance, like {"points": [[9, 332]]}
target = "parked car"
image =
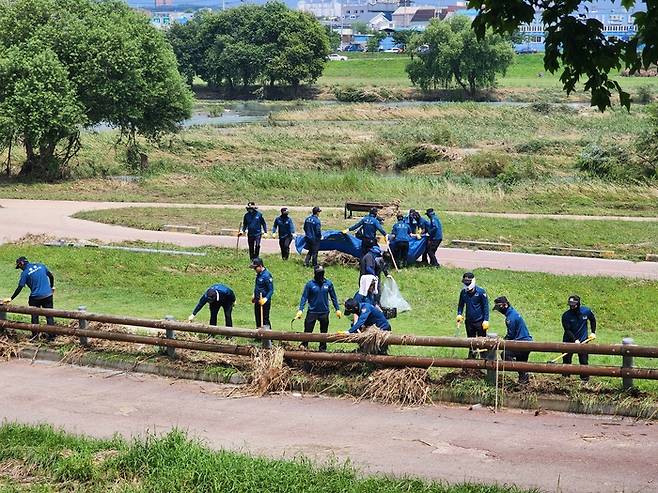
{"points": [[525, 50], [335, 57], [393, 50]]}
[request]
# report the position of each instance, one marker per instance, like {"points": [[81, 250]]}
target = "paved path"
{"points": [[20, 217], [552, 451]]}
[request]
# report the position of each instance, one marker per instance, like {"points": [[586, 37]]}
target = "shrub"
{"points": [[541, 107], [443, 136], [487, 164], [615, 163], [369, 156], [357, 95], [414, 155], [645, 94]]}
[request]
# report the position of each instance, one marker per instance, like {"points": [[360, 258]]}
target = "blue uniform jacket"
{"points": [[369, 226], [359, 298], [284, 225], [423, 226], [224, 292], [254, 224], [38, 278], [313, 228], [434, 228], [401, 231], [413, 224], [264, 285], [516, 327], [318, 295], [476, 303], [370, 315], [575, 323]]}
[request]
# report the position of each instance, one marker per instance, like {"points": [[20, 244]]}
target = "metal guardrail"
{"points": [[490, 345]]}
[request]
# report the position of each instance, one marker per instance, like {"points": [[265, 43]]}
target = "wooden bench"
{"points": [[351, 207], [583, 252], [482, 245]]}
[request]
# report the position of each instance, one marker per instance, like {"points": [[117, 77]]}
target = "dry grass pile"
{"points": [[268, 372], [372, 340], [11, 346], [409, 387], [338, 258]]}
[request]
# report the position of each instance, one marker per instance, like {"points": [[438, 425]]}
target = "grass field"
{"points": [[42, 459], [157, 285], [627, 239], [527, 74], [500, 158]]}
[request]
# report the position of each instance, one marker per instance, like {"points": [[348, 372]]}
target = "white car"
{"points": [[335, 57]]}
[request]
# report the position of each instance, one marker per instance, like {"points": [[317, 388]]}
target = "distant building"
{"points": [[321, 8], [414, 18], [163, 3], [164, 20]]}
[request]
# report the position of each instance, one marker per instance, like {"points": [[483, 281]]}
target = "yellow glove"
{"points": [[343, 333], [460, 318], [418, 237], [339, 314], [6, 301], [485, 325], [190, 318], [345, 231], [262, 301], [592, 337], [273, 235], [299, 314]]}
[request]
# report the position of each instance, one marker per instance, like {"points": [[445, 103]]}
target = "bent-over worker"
{"points": [[217, 296]]}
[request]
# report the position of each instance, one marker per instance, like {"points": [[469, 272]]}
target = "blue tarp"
{"points": [[351, 245]]}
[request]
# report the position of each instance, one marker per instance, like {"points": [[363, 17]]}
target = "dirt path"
{"points": [[20, 217], [552, 451]]}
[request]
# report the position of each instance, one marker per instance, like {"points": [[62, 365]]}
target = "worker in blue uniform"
{"points": [[317, 293], [399, 241], [517, 330], [285, 227], [253, 223], [313, 233], [218, 296], [574, 323], [41, 282], [474, 300], [367, 229], [263, 291], [367, 315], [434, 231]]}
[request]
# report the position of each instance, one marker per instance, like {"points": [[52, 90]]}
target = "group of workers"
{"points": [[366, 229], [319, 292]]}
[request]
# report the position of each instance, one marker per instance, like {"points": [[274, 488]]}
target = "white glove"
{"points": [[190, 318]]}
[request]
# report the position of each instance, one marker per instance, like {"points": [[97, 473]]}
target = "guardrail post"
{"points": [[82, 325], [267, 343], [490, 355], [627, 362], [169, 333]]}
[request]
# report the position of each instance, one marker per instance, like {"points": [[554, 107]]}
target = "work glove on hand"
{"points": [[460, 318], [299, 314], [485, 325], [190, 318], [592, 336], [418, 236], [262, 301], [339, 314], [577, 341], [6, 301], [389, 276], [345, 231]]}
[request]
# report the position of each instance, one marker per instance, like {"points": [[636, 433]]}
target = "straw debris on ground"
{"points": [[11, 347], [268, 372], [407, 387], [371, 341]]}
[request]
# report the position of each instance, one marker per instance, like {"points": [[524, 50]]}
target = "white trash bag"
{"points": [[392, 297]]}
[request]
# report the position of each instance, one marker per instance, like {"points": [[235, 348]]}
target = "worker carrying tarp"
{"points": [[574, 323], [317, 293], [366, 230], [517, 330], [254, 225], [312, 237], [351, 245], [217, 296]]}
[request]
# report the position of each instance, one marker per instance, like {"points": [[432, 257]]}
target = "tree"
{"points": [[401, 38], [253, 44], [360, 27], [333, 37], [70, 64], [373, 43], [576, 44], [449, 52]]}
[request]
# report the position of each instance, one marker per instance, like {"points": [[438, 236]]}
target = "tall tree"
{"points": [[70, 64], [576, 44], [449, 52]]}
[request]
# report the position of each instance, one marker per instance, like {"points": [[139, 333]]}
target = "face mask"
{"points": [[500, 308], [469, 284], [319, 277]]}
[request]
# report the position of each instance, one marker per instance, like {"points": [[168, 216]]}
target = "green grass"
{"points": [[50, 459], [627, 239], [322, 153], [154, 285]]}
